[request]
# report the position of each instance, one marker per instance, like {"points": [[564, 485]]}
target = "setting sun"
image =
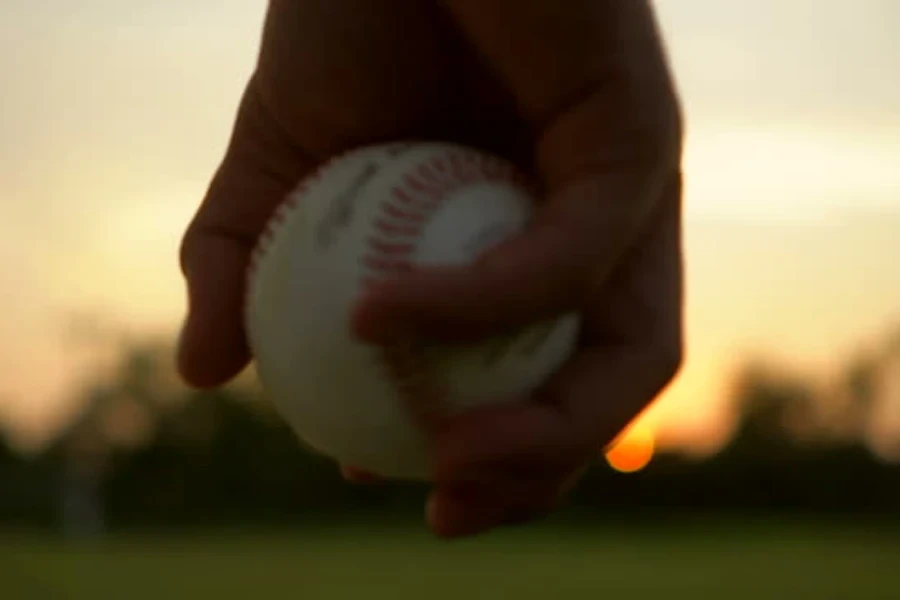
{"points": [[633, 451]]}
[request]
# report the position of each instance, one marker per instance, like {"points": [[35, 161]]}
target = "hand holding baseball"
{"points": [[577, 94]]}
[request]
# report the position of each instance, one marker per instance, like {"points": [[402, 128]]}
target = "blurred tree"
{"points": [[776, 410], [880, 388], [24, 491], [146, 450], [860, 390], [118, 409], [7, 456]]}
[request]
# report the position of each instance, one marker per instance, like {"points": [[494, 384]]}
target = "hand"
{"points": [[579, 94], [513, 463]]}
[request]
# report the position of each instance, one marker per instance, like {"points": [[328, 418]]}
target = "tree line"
{"points": [[147, 451]]}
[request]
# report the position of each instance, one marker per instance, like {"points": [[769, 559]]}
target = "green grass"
{"points": [[731, 562]]}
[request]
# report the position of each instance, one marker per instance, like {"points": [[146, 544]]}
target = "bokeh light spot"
{"points": [[633, 451]]}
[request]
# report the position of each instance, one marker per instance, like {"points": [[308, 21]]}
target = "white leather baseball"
{"points": [[363, 216]]}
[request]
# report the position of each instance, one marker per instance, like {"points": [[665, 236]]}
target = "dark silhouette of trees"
{"points": [[146, 451]]}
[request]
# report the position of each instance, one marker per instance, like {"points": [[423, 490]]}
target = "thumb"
{"points": [[574, 243]]}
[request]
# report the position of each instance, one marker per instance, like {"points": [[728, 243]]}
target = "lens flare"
{"points": [[632, 451]]}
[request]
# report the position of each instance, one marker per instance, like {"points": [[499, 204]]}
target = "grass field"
{"points": [[728, 562]]}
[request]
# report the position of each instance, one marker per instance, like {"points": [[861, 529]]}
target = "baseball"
{"points": [[366, 215]]}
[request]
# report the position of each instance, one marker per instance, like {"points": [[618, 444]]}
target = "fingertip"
{"points": [[203, 363], [212, 347]]}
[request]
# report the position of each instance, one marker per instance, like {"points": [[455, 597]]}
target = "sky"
{"points": [[113, 116]]}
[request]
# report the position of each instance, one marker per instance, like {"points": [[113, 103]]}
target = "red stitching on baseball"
{"points": [[278, 218], [390, 247], [416, 200], [428, 198], [401, 196], [425, 172], [395, 229], [404, 215], [411, 181], [386, 264]]}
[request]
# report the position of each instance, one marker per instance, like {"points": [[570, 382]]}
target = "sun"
{"points": [[633, 450]]}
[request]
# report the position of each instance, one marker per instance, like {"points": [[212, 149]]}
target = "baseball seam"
{"points": [[395, 233], [392, 242]]}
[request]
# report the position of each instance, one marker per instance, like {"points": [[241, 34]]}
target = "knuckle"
{"points": [[629, 130]]}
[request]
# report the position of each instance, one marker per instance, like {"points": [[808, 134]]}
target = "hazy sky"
{"points": [[113, 115]]}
